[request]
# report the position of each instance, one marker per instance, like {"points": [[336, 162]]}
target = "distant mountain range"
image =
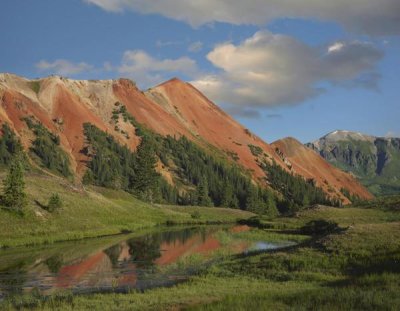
{"points": [[375, 161]]}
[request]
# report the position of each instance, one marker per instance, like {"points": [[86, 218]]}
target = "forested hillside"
{"points": [[375, 161]]}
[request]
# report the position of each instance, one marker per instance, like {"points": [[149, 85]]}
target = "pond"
{"points": [[120, 263]]}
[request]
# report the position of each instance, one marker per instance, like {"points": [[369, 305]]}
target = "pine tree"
{"points": [[203, 198], [14, 186], [145, 182], [252, 200], [54, 202], [228, 197], [10, 146], [272, 210]]}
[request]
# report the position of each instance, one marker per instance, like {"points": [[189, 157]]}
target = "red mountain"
{"points": [[174, 108]]}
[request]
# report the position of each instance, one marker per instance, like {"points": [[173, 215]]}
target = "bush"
{"points": [[196, 215], [54, 202], [319, 227]]}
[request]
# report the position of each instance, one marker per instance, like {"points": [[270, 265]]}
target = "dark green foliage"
{"points": [[196, 215], [14, 196], [261, 202], [10, 146], [54, 203], [216, 182], [111, 164], [229, 198], [202, 193], [46, 147], [227, 183], [296, 191], [255, 150], [35, 86], [390, 203], [355, 199], [319, 227], [54, 263], [145, 182]]}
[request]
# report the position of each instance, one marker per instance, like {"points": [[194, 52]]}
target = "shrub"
{"points": [[54, 202], [319, 227], [196, 215]]}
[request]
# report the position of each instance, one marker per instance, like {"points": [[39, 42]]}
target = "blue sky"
{"points": [[304, 70]]}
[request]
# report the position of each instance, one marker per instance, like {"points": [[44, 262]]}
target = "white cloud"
{"points": [[195, 47], [335, 47], [149, 70], [375, 17], [392, 134], [269, 69], [63, 67]]}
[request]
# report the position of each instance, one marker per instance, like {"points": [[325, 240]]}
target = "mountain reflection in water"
{"points": [[133, 263]]}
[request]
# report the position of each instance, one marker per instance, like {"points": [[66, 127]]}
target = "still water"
{"points": [[119, 263]]}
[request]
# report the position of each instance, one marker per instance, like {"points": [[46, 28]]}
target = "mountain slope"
{"points": [[207, 121], [375, 161], [173, 108], [307, 163]]}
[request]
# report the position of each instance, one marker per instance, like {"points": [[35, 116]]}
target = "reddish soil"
{"points": [[208, 122], [309, 164]]}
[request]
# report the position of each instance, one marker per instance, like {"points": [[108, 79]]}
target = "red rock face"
{"points": [[172, 108]]}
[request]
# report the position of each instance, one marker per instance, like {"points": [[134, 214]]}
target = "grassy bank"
{"points": [[354, 269], [92, 212]]}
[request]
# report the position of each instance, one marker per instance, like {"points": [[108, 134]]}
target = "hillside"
{"points": [[306, 163], [57, 108], [375, 161], [105, 212]]}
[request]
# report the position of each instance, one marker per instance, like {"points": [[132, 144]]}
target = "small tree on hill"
{"points": [[14, 195], [54, 202]]}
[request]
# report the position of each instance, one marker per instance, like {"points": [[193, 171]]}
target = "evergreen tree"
{"points": [[54, 202], [252, 200], [203, 198], [229, 199], [145, 182], [272, 210], [14, 186], [10, 146], [306, 201]]}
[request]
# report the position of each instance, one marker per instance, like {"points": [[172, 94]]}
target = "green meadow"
{"points": [[355, 267], [93, 212]]}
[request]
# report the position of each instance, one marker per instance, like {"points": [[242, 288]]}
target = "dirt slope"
{"points": [[208, 122], [309, 164]]}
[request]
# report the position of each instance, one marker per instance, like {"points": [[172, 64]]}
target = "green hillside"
{"points": [[92, 212], [375, 161]]}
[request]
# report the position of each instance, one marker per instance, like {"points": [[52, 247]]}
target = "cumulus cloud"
{"points": [[63, 67], [374, 17], [392, 134], [269, 69], [148, 70]]}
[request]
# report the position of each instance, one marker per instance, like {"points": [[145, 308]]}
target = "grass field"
{"points": [[356, 268], [92, 212]]}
